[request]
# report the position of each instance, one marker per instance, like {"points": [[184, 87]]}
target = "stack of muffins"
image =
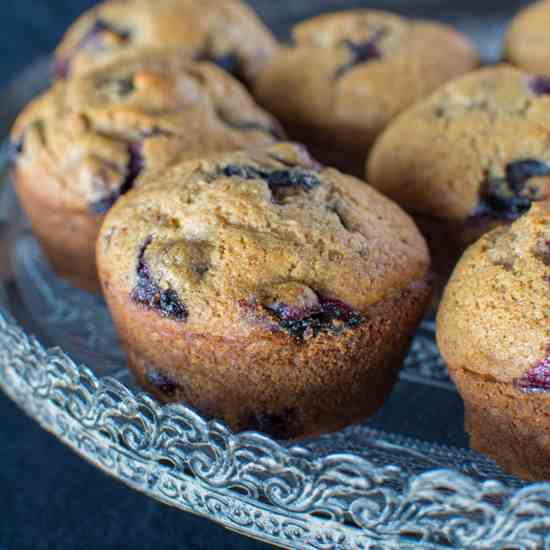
{"points": [[263, 288]]}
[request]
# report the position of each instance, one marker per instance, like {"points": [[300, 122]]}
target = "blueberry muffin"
{"points": [[264, 290], [348, 74], [226, 32], [472, 156], [494, 332], [528, 41], [88, 140]]}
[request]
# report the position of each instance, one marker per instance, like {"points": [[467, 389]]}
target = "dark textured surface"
{"points": [[50, 498]]}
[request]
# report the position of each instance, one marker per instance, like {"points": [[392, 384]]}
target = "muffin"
{"points": [[348, 74], [264, 290], [226, 32], [527, 41], [471, 157], [88, 140], [493, 330]]}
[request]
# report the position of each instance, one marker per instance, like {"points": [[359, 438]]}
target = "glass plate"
{"points": [[404, 479]]}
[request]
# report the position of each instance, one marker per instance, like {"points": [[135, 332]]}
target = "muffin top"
{"points": [[225, 32], [87, 140], [358, 69], [479, 147], [527, 41], [495, 316], [261, 244]]}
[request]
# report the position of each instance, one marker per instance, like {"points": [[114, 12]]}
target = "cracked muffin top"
{"points": [[87, 140], [495, 316], [225, 32], [259, 243], [359, 68], [479, 147], [527, 41]]}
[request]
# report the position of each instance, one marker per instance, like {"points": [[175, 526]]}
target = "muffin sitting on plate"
{"points": [[348, 74], [88, 140], [225, 32], [493, 330], [472, 156], [264, 290]]}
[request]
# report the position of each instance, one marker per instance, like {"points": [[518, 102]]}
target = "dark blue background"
{"points": [[50, 498]]}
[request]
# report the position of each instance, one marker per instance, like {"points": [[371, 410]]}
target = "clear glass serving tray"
{"points": [[404, 479]]}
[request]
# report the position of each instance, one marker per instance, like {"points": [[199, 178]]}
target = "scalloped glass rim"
{"points": [[297, 496]]}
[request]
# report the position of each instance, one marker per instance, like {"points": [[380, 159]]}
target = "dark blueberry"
{"points": [[510, 197], [134, 168], [329, 316], [163, 383], [148, 293], [540, 85], [361, 52], [229, 62], [277, 180], [277, 425], [536, 379], [125, 86]]}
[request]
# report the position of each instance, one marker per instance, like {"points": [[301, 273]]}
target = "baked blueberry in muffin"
{"points": [[471, 157], [264, 290], [494, 332], [348, 74], [90, 139], [227, 33]]}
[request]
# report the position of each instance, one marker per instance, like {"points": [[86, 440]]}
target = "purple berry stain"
{"points": [[136, 164], [536, 379], [278, 181], [508, 198], [149, 294], [540, 85], [329, 315], [361, 52]]}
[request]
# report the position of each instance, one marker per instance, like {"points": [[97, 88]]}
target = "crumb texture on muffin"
{"points": [[495, 316], [493, 330], [476, 148], [347, 74], [226, 32], [314, 258], [91, 137], [264, 289]]}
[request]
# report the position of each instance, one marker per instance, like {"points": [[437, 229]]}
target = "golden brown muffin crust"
{"points": [[82, 140], [226, 31], [233, 240], [264, 290], [349, 73], [494, 319], [479, 146], [527, 41]]}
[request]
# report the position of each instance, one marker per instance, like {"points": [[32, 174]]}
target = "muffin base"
{"points": [[272, 383], [68, 238], [507, 424]]}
